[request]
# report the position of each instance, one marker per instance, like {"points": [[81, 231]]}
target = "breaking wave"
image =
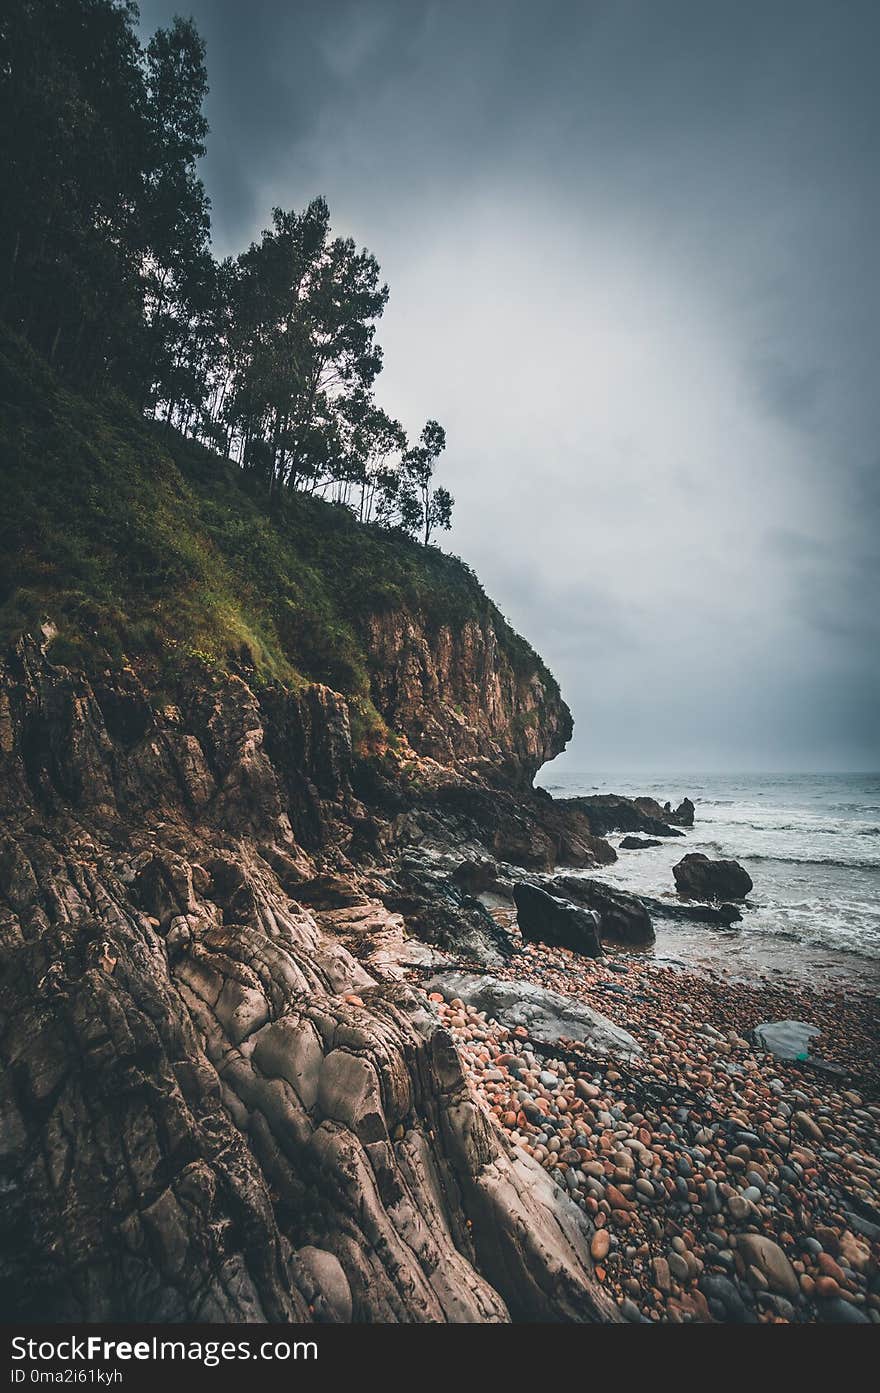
{"points": [[853, 863]]}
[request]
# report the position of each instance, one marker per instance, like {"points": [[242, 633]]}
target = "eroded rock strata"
{"points": [[219, 1099], [273, 1046]]}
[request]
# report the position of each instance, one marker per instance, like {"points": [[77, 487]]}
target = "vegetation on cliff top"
{"points": [[106, 269], [194, 467], [141, 544]]}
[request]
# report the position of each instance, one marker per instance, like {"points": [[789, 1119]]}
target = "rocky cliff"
{"points": [[211, 1108], [460, 700], [242, 757]]}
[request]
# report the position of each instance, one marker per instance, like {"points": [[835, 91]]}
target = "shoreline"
{"points": [[735, 953], [723, 1183], [811, 844], [741, 955]]}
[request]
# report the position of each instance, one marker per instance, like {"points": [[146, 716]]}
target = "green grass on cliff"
{"points": [[139, 544]]}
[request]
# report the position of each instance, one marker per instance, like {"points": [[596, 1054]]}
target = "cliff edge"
{"points": [[220, 1100]]}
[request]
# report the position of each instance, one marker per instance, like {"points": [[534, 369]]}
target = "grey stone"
{"points": [[842, 1312], [785, 1039], [771, 1261], [548, 1016]]}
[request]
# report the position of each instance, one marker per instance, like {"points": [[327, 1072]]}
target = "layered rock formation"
{"points": [[219, 1101], [458, 698]]}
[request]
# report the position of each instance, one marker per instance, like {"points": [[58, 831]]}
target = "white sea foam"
{"points": [[811, 844]]}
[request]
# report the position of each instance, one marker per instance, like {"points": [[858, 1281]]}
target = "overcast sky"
{"points": [[632, 249]]}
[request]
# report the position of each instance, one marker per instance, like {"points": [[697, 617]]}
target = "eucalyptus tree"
{"points": [[411, 501]]}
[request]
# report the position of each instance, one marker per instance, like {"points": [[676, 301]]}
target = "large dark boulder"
{"points": [[683, 814], [699, 878], [544, 918], [622, 917]]}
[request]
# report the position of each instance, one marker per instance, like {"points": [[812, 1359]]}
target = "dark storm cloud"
{"points": [[632, 254]]}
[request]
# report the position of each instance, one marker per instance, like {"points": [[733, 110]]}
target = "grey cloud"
{"points": [[632, 256], [794, 546], [788, 389]]}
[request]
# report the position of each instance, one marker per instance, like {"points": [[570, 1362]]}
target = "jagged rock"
{"points": [[475, 877], [682, 816], [525, 830], [700, 878], [609, 812], [373, 934], [638, 843], [548, 1016], [622, 917], [210, 1108], [544, 918], [438, 912], [330, 892], [456, 696], [575, 843]]}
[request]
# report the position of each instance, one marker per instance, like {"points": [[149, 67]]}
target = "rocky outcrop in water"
{"points": [[722, 915], [683, 815], [699, 878], [525, 829], [609, 812]]}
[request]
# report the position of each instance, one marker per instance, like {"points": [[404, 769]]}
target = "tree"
{"points": [[420, 508], [104, 224], [369, 440], [178, 269], [106, 269], [72, 160], [303, 344]]}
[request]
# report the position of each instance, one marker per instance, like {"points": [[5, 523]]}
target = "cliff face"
{"points": [[457, 697], [229, 793], [215, 1103]]}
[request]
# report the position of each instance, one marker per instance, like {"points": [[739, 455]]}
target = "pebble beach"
{"points": [[723, 1183]]}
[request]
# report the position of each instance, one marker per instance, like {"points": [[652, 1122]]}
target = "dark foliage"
{"points": [[138, 543], [106, 270]]}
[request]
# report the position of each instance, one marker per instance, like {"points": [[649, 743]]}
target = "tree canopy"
{"points": [[106, 269]]}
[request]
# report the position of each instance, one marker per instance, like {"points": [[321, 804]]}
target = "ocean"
{"points": [[810, 842]]}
